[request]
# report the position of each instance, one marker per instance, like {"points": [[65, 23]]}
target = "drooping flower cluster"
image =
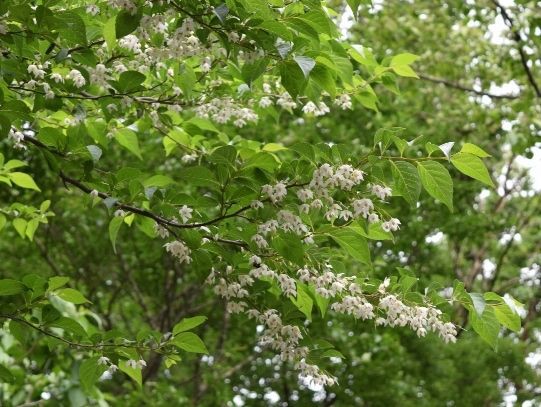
{"points": [[224, 110], [17, 137], [179, 250]]}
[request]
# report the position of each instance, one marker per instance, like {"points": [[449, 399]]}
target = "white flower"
{"points": [[305, 194], [78, 79], [391, 225], [256, 204], [265, 101], [57, 78], [119, 213], [17, 137], [189, 158], [103, 360], [94, 193], [100, 75], [92, 9], [343, 101], [36, 70], [161, 231], [255, 260], [185, 213], [275, 193], [381, 192], [131, 363], [131, 43], [206, 65], [179, 250], [260, 241], [362, 207]]}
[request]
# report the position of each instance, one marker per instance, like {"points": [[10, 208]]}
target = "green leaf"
{"points": [[199, 176], [12, 164], [404, 70], [263, 160], [134, 373], [69, 325], [57, 282], [89, 373], [478, 302], [188, 323], [303, 301], [290, 247], [486, 326], [306, 64], [375, 232], [472, 166], [126, 23], [473, 149], [292, 78], [114, 227], [507, 317], [404, 59], [190, 342], [20, 226], [407, 181], [158, 181], [9, 286], [31, 228], [252, 71], [71, 295], [130, 80], [3, 221], [5, 375], [72, 27], [351, 241], [109, 33], [23, 180], [128, 139], [437, 181], [95, 152]]}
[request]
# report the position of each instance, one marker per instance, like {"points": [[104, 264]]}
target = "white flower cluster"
{"points": [[136, 364], [320, 109], [284, 339], [351, 301], [285, 101], [17, 137], [78, 79], [161, 231], [420, 319], [100, 75], [104, 360], [127, 5], [185, 213], [343, 101], [37, 71], [179, 250], [131, 43], [92, 9], [276, 193], [286, 221], [224, 110]]}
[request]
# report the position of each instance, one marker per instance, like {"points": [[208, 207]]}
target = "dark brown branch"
{"points": [[455, 85], [518, 39]]}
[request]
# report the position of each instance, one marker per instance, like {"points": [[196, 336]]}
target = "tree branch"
{"points": [[518, 39], [451, 84]]}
